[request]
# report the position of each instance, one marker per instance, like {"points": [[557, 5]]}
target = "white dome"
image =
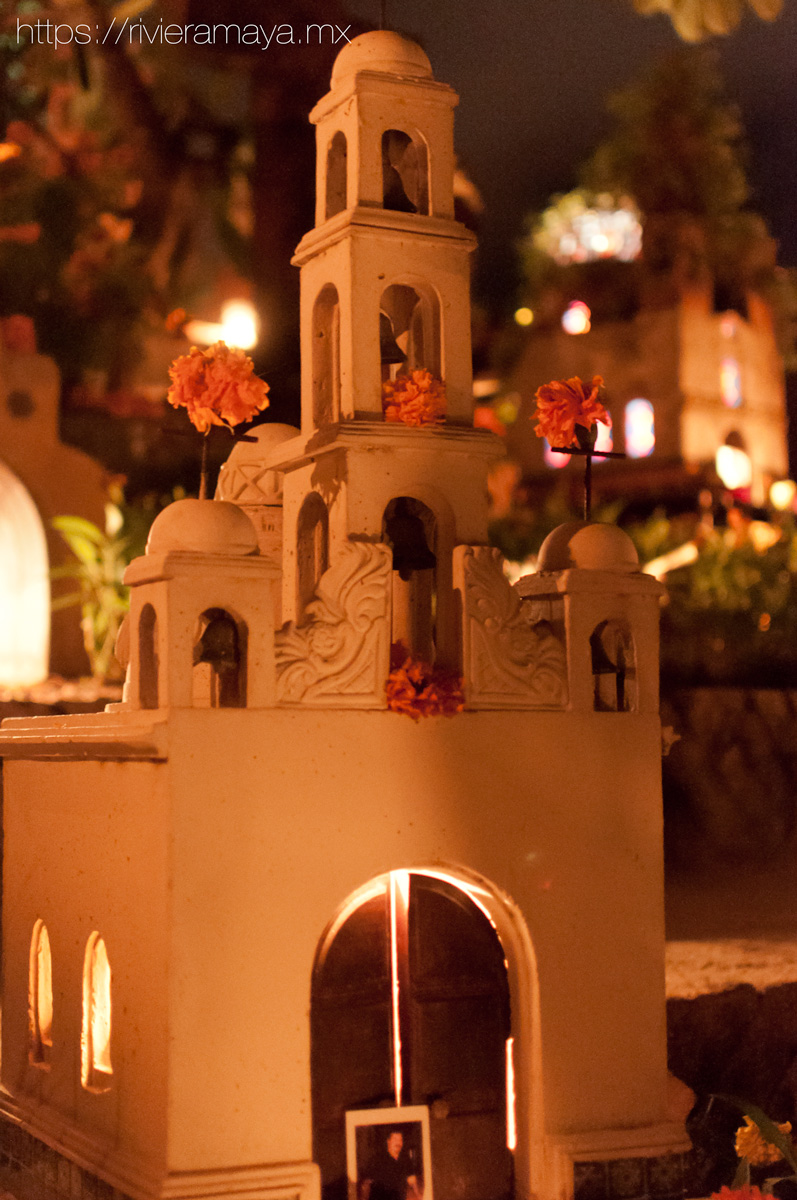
{"points": [[243, 477], [589, 546], [203, 527], [383, 51]]}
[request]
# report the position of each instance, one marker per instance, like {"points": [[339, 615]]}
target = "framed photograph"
{"points": [[387, 1153]]}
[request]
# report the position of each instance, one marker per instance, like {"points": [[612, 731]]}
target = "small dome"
{"points": [[203, 527], [382, 51], [243, 478], [588, 546]]}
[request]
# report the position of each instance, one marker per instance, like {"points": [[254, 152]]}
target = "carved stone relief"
{"points": [[507, 663], [338, 655]]}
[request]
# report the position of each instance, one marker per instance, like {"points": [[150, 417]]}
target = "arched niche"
{"points": [[24, 586], [312, 548], [410, 1005], [613, 667], [410, 529], [405, 172], [96, 1069], [326, 356], [219, 661], [336, 176], [414, 315], [40, 997], [148, 664]]}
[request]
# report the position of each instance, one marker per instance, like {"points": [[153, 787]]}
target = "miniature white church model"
{"points": [[251, 899]]}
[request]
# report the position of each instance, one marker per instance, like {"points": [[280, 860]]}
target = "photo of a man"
{"points": [[387, 1152], [392, 1173]]}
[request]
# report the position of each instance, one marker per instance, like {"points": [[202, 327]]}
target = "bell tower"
{"points": [[370, 496]]}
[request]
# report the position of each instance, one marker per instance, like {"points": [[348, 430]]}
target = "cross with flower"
{"points": [[568, 409]]}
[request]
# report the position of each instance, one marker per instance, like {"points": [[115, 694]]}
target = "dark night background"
{"points": [[533, 76]]}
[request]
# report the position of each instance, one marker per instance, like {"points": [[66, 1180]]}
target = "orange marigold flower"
{"points": [[751, 1144], [217, 386], [415, 399], [9, 150], [748, 1192], [420, 690], [565, 403]]}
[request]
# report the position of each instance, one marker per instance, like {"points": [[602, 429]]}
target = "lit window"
{"points": [[40, 996], [95, 1040], [730, 383], [604, 440], [576, 318], [640, 436]]}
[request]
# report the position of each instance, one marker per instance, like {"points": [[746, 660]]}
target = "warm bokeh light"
{"points": [[553, 460], [524, 316], [782, 493], [734, 467], [640, 436], [24, 587], [238, 327], [40, 994], [581, 227], [511, 1120], [577, 318]]}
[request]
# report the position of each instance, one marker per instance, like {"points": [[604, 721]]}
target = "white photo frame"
{"points": [[365, 1130]]}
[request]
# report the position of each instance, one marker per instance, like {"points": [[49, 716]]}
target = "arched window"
{"points": [[336, 175], [24, 586], [312, 548], [409, 528], [613, 667], [40, 996], [405, 172], [640, 434], [219, 677], [415, 324], [326, 357], [148, 658], [410, 1005], [95, 1038]]}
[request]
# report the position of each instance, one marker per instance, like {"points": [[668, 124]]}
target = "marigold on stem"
{"points": [[747, 1192], [565, 403], [415, 399], [217, 386], [751, 1144]]}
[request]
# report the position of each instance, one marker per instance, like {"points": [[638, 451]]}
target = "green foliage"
{"points": [[677, 145], [101, 557]]}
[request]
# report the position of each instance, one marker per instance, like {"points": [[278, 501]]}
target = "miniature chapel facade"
{"points": [[250, 899]]}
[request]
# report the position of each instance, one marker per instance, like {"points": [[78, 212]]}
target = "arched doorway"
{"points": [[24, 586], [410, 1005]]}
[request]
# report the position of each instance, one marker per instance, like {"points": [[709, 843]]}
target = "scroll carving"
{"points": [[507, 662], [339, 653]]}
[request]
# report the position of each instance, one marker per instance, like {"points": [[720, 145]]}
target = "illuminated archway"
{"points": [[419, 967], [40, 996], [24, 586], [95, 1039]]}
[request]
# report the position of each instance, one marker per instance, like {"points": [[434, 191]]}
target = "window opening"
{"points": [[612, 668], [336, 175], [405, 173], [96, 1068], [219, 661], [148, 657], [326, 357], [40, 996], [312, 548], [409, 530]]}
